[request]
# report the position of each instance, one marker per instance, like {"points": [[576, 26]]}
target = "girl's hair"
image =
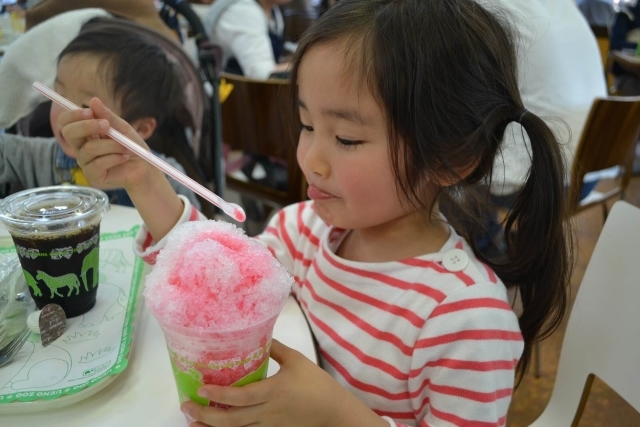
{"points": [[137, 71], [445, 74]]}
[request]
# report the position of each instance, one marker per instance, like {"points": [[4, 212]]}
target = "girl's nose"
{"points": [[315, 160]]}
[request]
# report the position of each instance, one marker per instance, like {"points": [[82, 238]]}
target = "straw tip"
{"points": [[236, 212], [239, 215]]}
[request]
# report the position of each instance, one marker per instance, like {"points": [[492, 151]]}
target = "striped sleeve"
{"points": [[463, 363], [146, 248], [281, 235]]}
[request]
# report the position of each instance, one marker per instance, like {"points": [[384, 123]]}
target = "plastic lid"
{"points": [[51, 210]]}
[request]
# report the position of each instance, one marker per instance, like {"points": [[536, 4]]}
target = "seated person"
{"points": [[373, 241], [597, 12], [126, 71], [141, 11], [560, 75], [625, 22], [250, 33]]}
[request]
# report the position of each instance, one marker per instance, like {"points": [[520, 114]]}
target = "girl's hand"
{"points": [[301, 393], [105, 163]]}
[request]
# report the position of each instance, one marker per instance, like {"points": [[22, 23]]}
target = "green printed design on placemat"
{"points": [[102, 369]]}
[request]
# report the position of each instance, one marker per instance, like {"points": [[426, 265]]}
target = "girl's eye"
{"points": [[347, 142], [307, 128]]}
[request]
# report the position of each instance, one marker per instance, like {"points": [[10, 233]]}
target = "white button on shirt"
{"points": [[455, 260]]}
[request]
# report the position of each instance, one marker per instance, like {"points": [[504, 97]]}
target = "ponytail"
{"points": [[539, 242]]}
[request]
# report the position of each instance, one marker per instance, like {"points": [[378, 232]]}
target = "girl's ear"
{"points": [[145, 127]]}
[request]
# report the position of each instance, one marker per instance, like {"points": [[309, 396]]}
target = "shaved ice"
{"points": [[210, 275], [216, 294]]}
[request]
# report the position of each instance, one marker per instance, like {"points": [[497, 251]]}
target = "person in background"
{"points": [[560, 74], [50, 27], [11, 6], [625, 35], [626, 22], [141, 11], [413, 325], [251, 34], [130, 73], [598, 13]]}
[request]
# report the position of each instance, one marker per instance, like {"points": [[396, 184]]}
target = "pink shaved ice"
{"points": [[210, 275]]}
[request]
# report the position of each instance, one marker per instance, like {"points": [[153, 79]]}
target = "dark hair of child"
{"points": [[143, 79], [445, 74]]}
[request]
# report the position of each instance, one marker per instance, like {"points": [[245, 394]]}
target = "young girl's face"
{"points": [[80, 78], [343, 148]]}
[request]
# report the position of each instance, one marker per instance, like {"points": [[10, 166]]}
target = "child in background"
{"points": [[131, 74], [402, 107]]}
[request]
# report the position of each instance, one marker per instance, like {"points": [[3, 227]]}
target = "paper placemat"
{"points": [[95, 345]]}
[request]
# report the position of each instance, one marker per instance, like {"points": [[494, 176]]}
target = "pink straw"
{"points": [[231, 209]]}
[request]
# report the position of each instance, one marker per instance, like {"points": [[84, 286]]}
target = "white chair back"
{"points": [[603, 333]]}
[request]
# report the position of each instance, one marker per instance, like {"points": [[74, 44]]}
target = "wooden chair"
{"points": [[608, 141], [253, 121], [602, 336]]}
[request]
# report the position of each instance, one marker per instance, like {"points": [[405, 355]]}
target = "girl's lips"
{"points": [[315, 193]]}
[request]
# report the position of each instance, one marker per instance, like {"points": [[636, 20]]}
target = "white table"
{"points": [[145, 393]]}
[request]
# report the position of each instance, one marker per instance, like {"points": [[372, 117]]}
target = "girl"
{"points": [[402, 106]]}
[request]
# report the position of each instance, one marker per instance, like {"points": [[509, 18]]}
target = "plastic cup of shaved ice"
{"points": [[216, 294]]}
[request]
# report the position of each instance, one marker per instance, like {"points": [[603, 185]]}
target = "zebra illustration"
{"points": [[90, 262], [33, 284], [55, 283]]}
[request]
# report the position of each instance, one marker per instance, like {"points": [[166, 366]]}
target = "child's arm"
{"points": [[27, 161], [107, 164], [301, 393]]}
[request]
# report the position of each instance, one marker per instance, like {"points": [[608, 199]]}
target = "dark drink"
{"points": [[62, 270], [56, 231]]}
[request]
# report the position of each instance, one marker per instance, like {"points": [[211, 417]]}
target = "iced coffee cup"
{"points": [[216, 294], [56, 232]]}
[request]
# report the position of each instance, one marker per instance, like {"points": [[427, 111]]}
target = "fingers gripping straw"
{"points": [[216, 294], [231, 209]]}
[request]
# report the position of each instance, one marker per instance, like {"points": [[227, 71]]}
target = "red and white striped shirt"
{"points": [[427, 341]]}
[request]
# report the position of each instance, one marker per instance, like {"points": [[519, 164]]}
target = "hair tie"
{"points": [[522, 116]]}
